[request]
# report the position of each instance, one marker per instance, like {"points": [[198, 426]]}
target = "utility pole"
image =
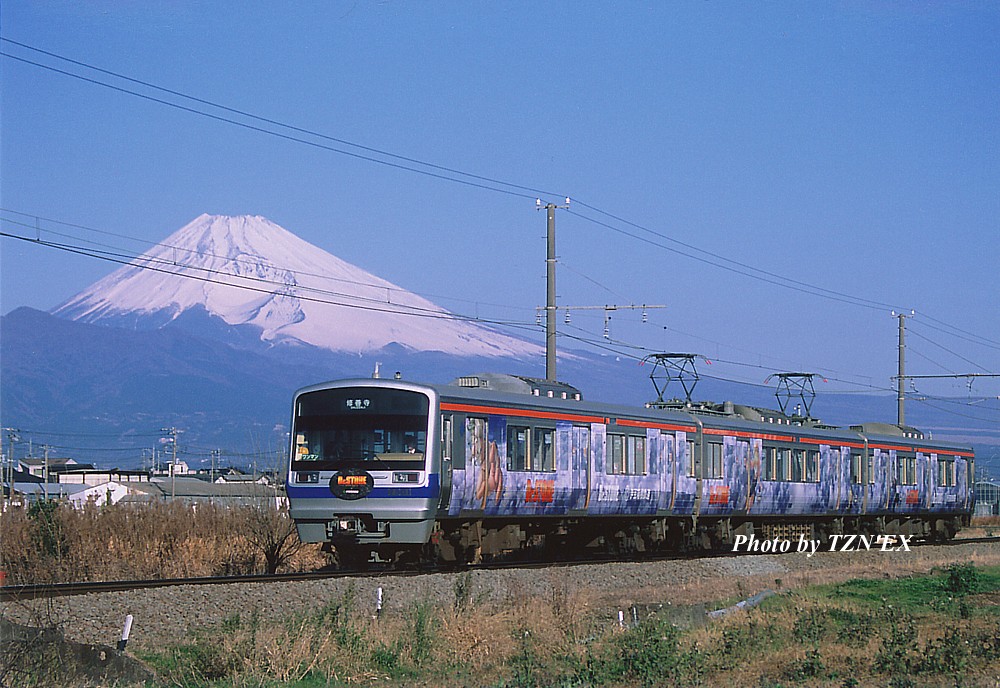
{"points": [[901, 378], [550, 287], [45, 450], [13, 437], [173, 432]]}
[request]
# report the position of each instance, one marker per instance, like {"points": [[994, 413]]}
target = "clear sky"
{"points": [[853, 147]]}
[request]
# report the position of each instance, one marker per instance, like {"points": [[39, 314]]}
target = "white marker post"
{"points": [[125, 633]]}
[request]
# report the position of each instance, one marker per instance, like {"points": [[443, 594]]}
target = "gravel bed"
{"points": [[169, 615]]}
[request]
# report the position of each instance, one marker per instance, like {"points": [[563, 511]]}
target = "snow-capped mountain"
{"points": [[248, 271]]}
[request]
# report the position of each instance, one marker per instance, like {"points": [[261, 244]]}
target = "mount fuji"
{"points": [[212, 330], [246, 278]]}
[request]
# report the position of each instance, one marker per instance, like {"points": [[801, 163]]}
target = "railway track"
{"points": [[12, 593]]}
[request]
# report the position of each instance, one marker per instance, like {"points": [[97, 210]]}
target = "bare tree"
{"points": [[272, 533]]}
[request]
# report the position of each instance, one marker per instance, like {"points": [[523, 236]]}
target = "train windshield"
{"points": [[372, 428]]}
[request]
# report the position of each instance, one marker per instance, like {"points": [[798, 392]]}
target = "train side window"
{"points": [[812, 466], [871, 468], [770, 469], [446, 438], [855, 468], [907, 470], [616, 454], [518, 447], [946, 472], [713, 469], [543, 454], [636, 464], [690, 448], [476, 435], [798, 467], [581, 447], [781, 464]]}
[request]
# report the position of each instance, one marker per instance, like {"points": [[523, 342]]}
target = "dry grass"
{"points": [[158, 540]]}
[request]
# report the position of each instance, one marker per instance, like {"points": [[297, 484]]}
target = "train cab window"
{"points": [[518, 447], [543, 451], [616, 454], [636, 459], [946, 471], [713, 460], [812, 466], [855, 468], [907, 470]]}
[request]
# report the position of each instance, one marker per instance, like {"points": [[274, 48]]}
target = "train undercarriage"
{"points": [[461, 543]]}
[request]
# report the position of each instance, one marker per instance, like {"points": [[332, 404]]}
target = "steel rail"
{"points": [[32, 591]]}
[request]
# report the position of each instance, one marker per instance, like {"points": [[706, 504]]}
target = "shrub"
{"points": [[962, 579]]}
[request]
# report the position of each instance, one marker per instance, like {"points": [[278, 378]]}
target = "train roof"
{"points": [[528, 392]]}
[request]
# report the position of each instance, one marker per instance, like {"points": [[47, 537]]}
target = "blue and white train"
{"points": [[392, 471]]}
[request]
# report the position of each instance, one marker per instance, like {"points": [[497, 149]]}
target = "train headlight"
{"points": [[307, 477], [405, 477]]}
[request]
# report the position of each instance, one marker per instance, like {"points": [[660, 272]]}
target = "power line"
{"points": [[484, 182], [714, 260], [442, 172], [414, 311], [206, 254], [946, 349], [273, 122], [262, 130], [724, 263]]}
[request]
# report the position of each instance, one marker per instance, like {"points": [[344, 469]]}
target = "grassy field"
{"points": [[941, 629], [922, 620]]}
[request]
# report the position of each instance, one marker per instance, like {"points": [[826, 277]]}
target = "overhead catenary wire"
{"points": [[411, 311], [442, 172], [458, 176], [612, 346], [114, 250]]}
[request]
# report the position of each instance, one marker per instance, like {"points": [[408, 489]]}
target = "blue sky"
{"points": [[853, 147]]}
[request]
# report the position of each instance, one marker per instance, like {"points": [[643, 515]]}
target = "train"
{"points": [[493, 465]]}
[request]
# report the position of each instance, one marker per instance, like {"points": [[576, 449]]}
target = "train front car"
{"points": [[361, 473]]}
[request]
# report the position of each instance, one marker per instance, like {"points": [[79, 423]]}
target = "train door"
{"points": [[445, 439], [754, 451], [668, 471], [580, 465], [697, 462]]}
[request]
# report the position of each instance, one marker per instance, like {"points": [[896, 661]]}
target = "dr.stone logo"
{"points": [[836, 543]]}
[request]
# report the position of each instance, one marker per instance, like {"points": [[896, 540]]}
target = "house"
{"points": [[76, 495], [97, 476], [987, 497], [38, 466]]}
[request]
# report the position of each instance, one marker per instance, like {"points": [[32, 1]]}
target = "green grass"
{"points": [[943, 591], [922, 630]]}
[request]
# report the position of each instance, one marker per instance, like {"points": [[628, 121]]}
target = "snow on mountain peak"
{"points": [[248, 270]]}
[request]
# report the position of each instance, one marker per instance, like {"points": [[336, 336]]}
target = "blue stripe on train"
{"points": [[432, 489]]}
